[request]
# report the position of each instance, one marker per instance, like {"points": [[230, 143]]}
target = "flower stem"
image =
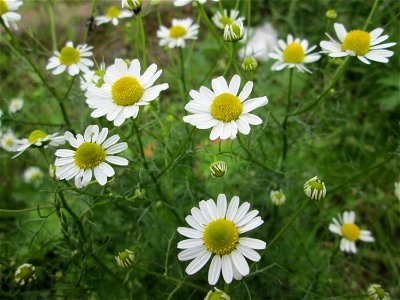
{"points": [[140, 20], [50, 8], [183, 71], [285, 120], [374, 6], [90, 21], [231, 58]]}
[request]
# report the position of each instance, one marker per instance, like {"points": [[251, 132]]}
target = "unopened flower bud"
{"points": [[315, 189], [25, 274], [217, 294], [218, 169], [331, 14], [249, 64], [234, 32], [125, 258]]}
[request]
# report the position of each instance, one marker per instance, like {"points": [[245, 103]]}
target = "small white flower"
{"points": [[33, 175], [72, 59], [277, 197], [365, 45], [349, 231], [222, 19], [293, 53], [262, 40], [8, 13], [216, 230], [315, 189], [397, 189], [25, 274], [125, 258], [112, 15], [131, 4], [223, 109], [93, 77], [217, 294], [92, 155], [234, 32], [38, 138], [8, 140], [15, 105], [124, 90], [376, 292], [175, 36]]}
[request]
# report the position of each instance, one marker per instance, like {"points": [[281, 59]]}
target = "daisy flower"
{"points": [[277, 197], [216, 229], [8, 140], [92, 155], [365, 45], [125, 258], [38, 138], [293, 53], [134, 5], [33, 175], [223, 109], [124, 90], [349, 231], [93, 77], [234, 32], [222, 19], [175, 36], [315, 189], [112, 15], [8, 14], [15, 105], [73, 59], [376, 292], [25, 273]]}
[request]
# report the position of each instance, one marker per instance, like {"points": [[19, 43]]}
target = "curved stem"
{"points": [[285, 120], [374, 6], [141, 28]]}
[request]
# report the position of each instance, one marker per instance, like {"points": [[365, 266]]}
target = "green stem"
{"points": [[339, 72], [15, 212], [18, 47], [50, 9], [231, 58], [90, 21], [140, 20], [374, 6], [183, 71], [285, 121]]}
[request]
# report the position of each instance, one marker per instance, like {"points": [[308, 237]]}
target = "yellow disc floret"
{"points": [[126, 91], [36, 135], [69, 56], [357, 41], [226, 107], [113, 12], [226, 20], [89, 155], [294, 53], [221, 236], [351, 232], [3, 7], [177, 31]]}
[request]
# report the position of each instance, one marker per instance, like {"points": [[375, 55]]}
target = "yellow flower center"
{"points": [[36, 135], [177, 31], [126, 91], [9, 141], [221, 236], [113, 12], [36, 175], [226, 107], [357, 41], [294, 53], [89, 155], [3, 7], [351, 232], [69, 56], [226, 20]]}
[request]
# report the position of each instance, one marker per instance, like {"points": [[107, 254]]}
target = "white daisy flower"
{"points": [[223, 109], [124, 90], [186, 2], [93, 77], [8, 13], [8, 140], [277, 197], [376, 292], [72, 59], [112, 15], [33, 175], [365, 45], [216, 229], [234, 32], [38, 138], [175, 36], [15, 105], [25, 274], [92, 155], [349, 231], [293, 53], [222, 19], [132, 4]]}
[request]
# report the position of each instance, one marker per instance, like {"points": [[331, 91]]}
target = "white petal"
{"points": [[245, 93], [232, 208], [249, 253], [243, 209], [191, 253], [234, 85], [252, 243], [251, 225], [190, 243], [116, 160], [190, 233], [240, 262], [221, 206], [340, 31], [65, 153], [215, 270], [198, 216], [198, 263], [335, 229], [117, 148], [100, 176], [192, 222], [227, 272]]}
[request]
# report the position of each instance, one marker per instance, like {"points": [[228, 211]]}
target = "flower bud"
{"points": [[25, 274], [217, 294], [234, 32], [376, 292], [135, 5], [249, 64], [315, 189], [218, 169], [277, 197], [125, 258], [331, 14]]}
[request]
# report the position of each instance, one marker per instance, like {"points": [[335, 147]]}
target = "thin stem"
{"points": [[374, 6], [182, 70], [285, 121], [141, 28], [50, 8], [90, 21], [15, 212], [231, 58], [18, 47], [339, 72]]}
